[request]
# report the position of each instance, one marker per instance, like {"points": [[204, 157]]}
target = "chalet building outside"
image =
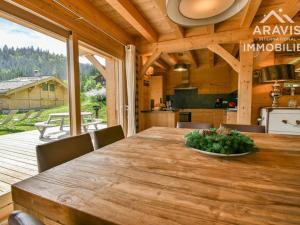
{"points": [[32, 92]]}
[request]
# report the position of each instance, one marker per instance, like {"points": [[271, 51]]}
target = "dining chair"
{"points": [[57, 152], [22, 218], [108, 136], [194, 125], [245, 128]]}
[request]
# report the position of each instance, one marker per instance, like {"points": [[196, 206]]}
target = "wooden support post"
{"points": [[245, 85], [74, 84], [111, 92]]}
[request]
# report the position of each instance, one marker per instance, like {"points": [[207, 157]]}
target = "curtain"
{"points": [[131, 86], [120, 93]]}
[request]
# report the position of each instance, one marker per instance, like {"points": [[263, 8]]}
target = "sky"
{"points": [[15, 35]]}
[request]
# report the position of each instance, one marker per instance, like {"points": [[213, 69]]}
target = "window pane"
{"points": [[45, 87]]}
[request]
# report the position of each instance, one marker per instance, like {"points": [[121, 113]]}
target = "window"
{"points": [[52, 87], [45, 87]]}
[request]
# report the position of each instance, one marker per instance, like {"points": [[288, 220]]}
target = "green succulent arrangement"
{"points": [[222, 141]]}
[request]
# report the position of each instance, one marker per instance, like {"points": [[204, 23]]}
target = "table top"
{"points": [[66, 114], [152, 178]]}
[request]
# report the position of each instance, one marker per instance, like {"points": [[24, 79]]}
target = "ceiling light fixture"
{"points": [[203, 12], [180, 67]]}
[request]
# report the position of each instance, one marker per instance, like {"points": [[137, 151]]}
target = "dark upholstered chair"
{"points": [[55, 153], [21, 218], [108, 136], [194, 125], [245, 128]]}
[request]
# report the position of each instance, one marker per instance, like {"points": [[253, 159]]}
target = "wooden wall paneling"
{"points": [[245, 85], [74, 84], [193, 58], [111, 92]]}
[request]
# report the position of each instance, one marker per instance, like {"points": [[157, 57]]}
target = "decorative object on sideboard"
{"points": [[275, 94]]}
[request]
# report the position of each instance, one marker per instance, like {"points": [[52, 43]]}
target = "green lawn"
{"points": [[26, 125]]}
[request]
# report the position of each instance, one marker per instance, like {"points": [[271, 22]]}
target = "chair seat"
{"points": [[21, 218]]}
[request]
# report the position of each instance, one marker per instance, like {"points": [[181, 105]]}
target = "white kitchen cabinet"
{"points": [[281, 120]]}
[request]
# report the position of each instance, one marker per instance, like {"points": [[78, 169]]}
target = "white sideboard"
{"points": [[281, 120]]}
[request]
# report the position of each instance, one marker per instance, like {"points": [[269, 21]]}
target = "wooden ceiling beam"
{"points": [[162, 64], [250, 12], [97, 64], [161, 6], [169, 59], [196, 42], [86, 33], [232, 61], [128, 11], [86, 11], [149, 62]]}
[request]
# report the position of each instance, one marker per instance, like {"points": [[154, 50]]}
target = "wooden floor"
{"points": [[18, 161]]}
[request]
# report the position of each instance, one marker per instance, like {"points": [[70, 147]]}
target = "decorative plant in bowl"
{"points": [[220, 142]]}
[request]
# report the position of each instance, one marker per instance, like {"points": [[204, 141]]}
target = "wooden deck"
{"points": [[18, 161]]}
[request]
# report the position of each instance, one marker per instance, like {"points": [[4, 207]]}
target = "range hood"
{"points": [[185, 82], [283, 72]]}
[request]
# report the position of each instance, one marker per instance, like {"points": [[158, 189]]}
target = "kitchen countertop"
{"points": [[186, 110], [272, 108], [156, 111]]}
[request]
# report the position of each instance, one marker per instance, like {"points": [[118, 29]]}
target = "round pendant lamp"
{"points": [[203, 12]]}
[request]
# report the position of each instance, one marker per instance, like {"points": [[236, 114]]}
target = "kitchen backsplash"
{"points": [[190, 99]]}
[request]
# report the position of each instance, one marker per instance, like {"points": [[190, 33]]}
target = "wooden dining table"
{"points": [[152, 178]]}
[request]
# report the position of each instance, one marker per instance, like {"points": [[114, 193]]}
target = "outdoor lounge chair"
{"points": [[24, 117], [37, 115], [9, 117]]}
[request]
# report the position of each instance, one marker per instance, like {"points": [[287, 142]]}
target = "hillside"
{"points": [[23, 61]]}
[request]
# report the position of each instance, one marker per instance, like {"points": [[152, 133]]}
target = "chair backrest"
{"points": [[21, 218], [194, 125], [57, 152], [108, 136], [245, 128]]}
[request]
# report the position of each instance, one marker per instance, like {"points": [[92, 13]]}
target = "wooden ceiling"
{"points": [[110, 24], [154, 13], [161, 28]]}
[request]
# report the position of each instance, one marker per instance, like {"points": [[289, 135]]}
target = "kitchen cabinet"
{"points": [[213, 116], [231, 117], [281, 120], [159, 119]]}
